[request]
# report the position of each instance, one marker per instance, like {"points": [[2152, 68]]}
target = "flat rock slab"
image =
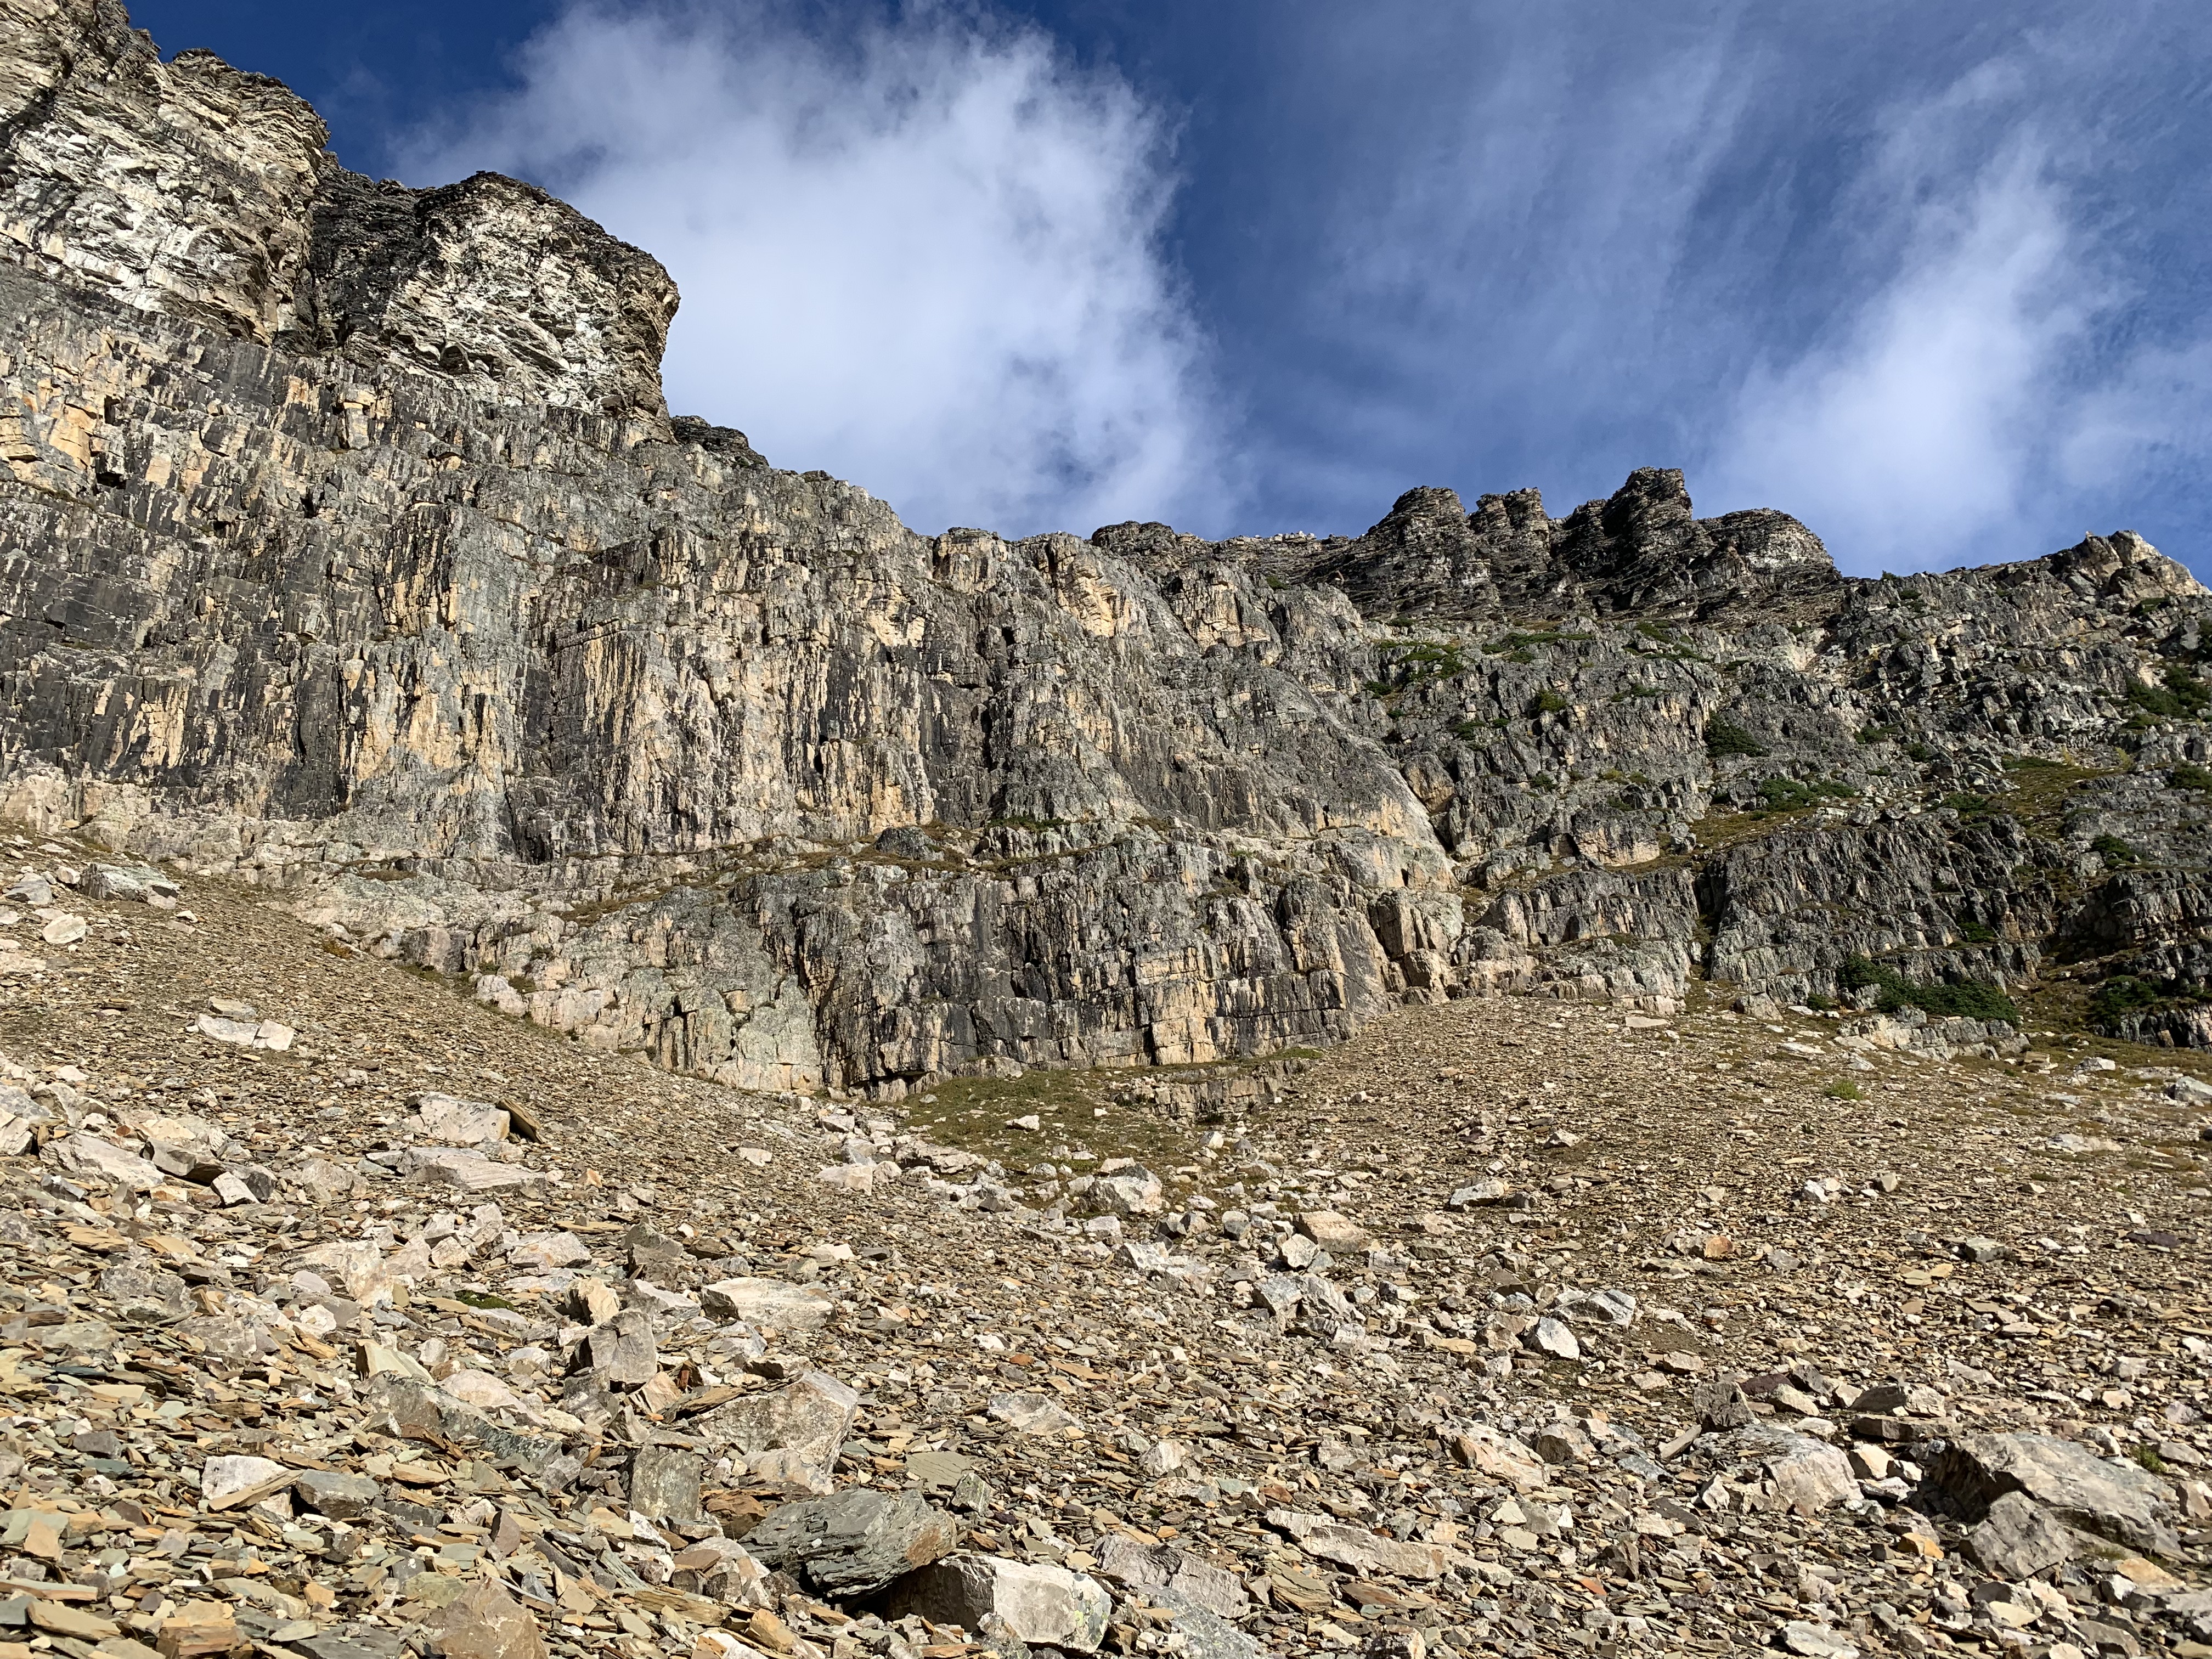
{"points": [[792, 1435], [855, 1542], [768, 1303], [1038, 1603], [2118, 1501]]}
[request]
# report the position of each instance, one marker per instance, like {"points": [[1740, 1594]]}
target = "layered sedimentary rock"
{"points": [[347, 545]]}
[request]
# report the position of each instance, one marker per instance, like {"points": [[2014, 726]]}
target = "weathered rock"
{"points": [[1809, 1640], [1808, 1475], [2114, 1500], [444, 1121], [768, 1303], [488, 1623], [793, 1434], [2016, 1540], [724, 1569], [145, 1294], [1031, 1412], [1161, 1567], [1490, 1452], [479, 364], [1337, 1234], [227, 1482], [337, 1494], [87, 1154], [1720, 1404], [1358, 1548], [664, 1483], [1038, 1603], [621, 1352], [181, 1144], [855, 1542]]}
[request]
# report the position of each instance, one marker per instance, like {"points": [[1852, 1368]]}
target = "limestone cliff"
{"points": [[346, 543]]}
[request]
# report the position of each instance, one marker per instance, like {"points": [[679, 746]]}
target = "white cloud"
{"points": [[926, 256], [1913, 432]]}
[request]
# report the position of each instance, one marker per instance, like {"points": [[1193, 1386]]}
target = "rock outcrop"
{"points": [[347, 546]]}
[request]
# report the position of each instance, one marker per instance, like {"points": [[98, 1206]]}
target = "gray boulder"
{"points": [[2018, 1541], [792, 1434], [855, 1542], [2115, 1501], [1037, 1602]]}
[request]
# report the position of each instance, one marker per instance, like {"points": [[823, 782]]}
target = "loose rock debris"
{"points": [[1512, 1326]]}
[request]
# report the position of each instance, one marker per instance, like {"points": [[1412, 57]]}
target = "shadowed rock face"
{"points": [[346, 545]]}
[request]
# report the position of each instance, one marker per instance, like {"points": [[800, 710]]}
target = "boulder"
{"points": [[664, 1483], [487, 1622], [2113, 1500], [773, 1305], [621, 1352], [1493, 1453], [1358, 1548], [855, 1542], [337, 1494], [1337, 1234], [2017, 1541], [1032, 1413], [724, 1569], [1156, 1568], [1037, 1602], [443, 1120], [83, 1154], [145, 1296], [793, 1434], [1809, 1475]]}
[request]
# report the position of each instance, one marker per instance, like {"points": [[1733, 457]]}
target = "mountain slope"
{"points": [[347, 545]]}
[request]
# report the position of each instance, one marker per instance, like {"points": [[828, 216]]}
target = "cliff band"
{"points": [[347, 545]]}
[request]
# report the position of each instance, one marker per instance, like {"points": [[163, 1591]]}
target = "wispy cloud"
{"points": [[1914, 434], [924, 252], [1977, 386]]}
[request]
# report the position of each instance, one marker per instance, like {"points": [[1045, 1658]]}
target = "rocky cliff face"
{"points": [[347, 545]]}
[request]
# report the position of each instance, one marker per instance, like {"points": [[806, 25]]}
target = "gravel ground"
{"points": [[341, 1313]]}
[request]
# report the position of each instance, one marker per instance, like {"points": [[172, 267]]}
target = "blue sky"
{"points": [[1936, 280]]}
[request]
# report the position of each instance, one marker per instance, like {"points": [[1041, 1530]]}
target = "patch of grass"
{"points": [[2147, 1456], [1970, 999], [1844, 1089], [2114, 851], [2123, 993], [1920, 751], [1547, 702], [1421, 663], [1788, 795], [1724, 738], [2183, 695], [1511, 645], [2189, 776], [1873, 734], [1969, 805], [1658, 632], [1977, 932], [483, 1299], [2033, 763]]}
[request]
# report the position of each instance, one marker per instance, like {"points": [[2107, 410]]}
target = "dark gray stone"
{"points": [[855, 1542]]}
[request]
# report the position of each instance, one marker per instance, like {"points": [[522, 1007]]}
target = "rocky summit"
{"points": [[604, 1052]]}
